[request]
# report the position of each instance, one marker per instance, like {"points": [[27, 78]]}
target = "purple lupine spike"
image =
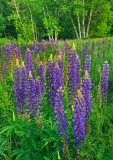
{"points": [[52, 42], [78, 72], [59, 79], [50, 81], [73, 76], [36, 49], [38, 90], [86, 87], [17, 52], [31, 99], [104, 81], [79, 121], [61, 120], [24, 83], [8, 51], [30, 63], [59, 61], [66, 46], [71, 79], [87, 65], [41, 75], [18, 92], [44, 44]]}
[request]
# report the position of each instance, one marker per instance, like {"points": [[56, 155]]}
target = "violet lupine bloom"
{"points": [[30, 63], [17, 52], [38, 90], [79, 119], [36, 48], [61, 120], [41, 75], [58, 74], [104, 81], [18, 90], [31, 99], [86, 87], [66, 46], [52, 42], [24, 83], [50, 81], [73, 76], [78, 72], [87, 65], [59, 61], [8, 50], [44, 44]]}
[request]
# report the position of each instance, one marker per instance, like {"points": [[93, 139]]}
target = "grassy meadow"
{"points": [[44, 111]]}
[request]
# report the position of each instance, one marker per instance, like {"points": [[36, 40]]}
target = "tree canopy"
{"points": [[34, 19]]}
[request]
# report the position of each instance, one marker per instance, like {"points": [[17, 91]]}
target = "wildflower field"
{"points": [[56, 100]]}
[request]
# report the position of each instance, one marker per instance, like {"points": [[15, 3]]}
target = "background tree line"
{"points": [[36, 19]]}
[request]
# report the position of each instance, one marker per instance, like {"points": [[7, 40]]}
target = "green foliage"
{"points": [[24, 138], [31, 20]]}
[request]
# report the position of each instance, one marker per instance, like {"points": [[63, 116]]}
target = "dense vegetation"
{"points": [[56, 94], [32, 20], [55, 102]]}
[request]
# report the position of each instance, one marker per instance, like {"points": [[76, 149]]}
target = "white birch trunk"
{"points": [[89, 22], [31, 16], [83, 21], [16, 8], [74, 27], [79, 25]]}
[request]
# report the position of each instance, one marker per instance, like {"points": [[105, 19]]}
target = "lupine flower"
{"points": [[44, 44], [86, 87], [66, 46], [58, 79], [8, 51], [9, 56], [87, 65], [31, 99], [79, 119], [72, 78], [61, 120], [18, 92], [73, 75], [50, 81], [41, 75], [17, 52], [36, 49], [38, 90], [78, 72], [30, 63], [59, 61], [52, 42], [104, 81]]}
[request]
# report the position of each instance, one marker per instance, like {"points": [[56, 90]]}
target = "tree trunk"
{"points": [[33, 30], [89, 22], [79, 25], [83, 22], [46, 25], [74, 27], [17, 11]]}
